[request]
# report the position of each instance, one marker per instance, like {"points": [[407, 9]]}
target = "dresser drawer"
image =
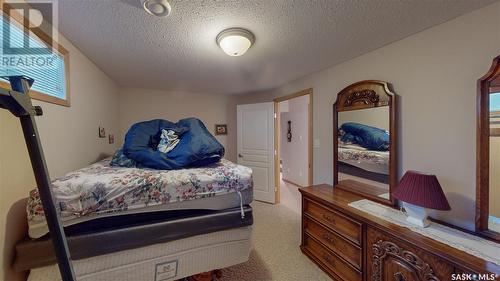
{"points": [[334, 242], [340, 223], [391, 259], [342, 269]]}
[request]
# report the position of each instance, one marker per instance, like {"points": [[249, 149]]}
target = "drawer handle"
{"points": [[398, 276], [329, 259], [329, 218], [328, 238]]}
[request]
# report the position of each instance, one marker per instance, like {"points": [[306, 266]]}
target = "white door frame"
{"points": [[277, 134]]}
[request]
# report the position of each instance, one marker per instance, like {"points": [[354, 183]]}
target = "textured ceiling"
{"points": [[293, 38]]}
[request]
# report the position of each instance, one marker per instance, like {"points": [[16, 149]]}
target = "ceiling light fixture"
{"points": [[235, 41], [159, 8]]}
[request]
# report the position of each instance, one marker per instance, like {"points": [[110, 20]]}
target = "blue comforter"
{"points": [[197, 147], [369, 137]]}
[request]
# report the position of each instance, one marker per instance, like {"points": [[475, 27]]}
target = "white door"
{"points": [[256, 147]]}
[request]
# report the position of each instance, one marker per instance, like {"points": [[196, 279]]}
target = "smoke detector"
{"points": [[159, 8]]}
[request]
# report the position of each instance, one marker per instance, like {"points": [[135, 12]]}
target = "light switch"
{"points": [[316, 143]]}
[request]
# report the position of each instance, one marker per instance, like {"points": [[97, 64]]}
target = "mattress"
{"points": [[161, 262], [112, 234], [369, 160], [100, 190]]}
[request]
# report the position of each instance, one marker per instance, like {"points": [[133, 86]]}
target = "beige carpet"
{"points": [[276, 239]]}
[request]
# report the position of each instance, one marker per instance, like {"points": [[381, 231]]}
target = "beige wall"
{"points": [[294, 154], [376, 117], [434, 72], [141, 104], [69, 139]]}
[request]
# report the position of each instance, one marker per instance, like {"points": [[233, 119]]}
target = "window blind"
{"points": [[49, 77]]}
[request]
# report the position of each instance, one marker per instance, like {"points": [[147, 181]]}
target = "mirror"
{"points": [[488, 153], [364, 140], [494, 212]]}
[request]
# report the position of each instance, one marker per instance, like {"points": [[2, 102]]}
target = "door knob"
{"points": [[239, 155]]}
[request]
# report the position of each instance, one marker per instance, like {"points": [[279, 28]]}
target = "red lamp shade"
{"points": [[422, 190]]}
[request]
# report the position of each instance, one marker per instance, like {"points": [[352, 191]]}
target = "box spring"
{"points": [[161, 262], [118, 233]]}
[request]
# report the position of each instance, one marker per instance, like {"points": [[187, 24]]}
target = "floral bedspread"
{"points": [[100, 188], [348, 153]]}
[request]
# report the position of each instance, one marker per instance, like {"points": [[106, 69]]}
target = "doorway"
{"points": [[293, 144]]}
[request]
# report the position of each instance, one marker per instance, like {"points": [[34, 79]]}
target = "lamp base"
{"points": [[416, 215]]}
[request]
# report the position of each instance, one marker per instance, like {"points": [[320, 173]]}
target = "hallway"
{"points": [[290, 197]]}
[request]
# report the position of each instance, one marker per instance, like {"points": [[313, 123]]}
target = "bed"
{"points": [[101, 190], [200, 217], [197, 240], [361, 162], [370, 160], [164, 261]]}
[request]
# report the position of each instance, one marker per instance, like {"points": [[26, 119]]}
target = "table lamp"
{"points": [[419, 193]]}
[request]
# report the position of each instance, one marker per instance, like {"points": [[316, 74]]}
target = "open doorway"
{"points": [[293, 146]]}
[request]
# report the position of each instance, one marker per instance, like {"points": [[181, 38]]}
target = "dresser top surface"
{"points": [[340, 199]]}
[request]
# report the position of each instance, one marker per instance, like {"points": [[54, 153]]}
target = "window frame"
{"points": [[50, 42]]}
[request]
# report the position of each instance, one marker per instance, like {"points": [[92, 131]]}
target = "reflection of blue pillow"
{"points": [[366, 136]]}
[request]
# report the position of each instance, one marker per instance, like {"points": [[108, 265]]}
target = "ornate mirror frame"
{"points": [[483, 151], [363, 95]]}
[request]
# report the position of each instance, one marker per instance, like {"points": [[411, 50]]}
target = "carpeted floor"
{"points": [[276, 239]]}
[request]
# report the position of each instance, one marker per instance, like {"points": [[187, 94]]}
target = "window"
{"points": [[495, 102], [495, 114], [50, 73]]}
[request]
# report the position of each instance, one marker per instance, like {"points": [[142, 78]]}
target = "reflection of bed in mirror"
{"points": [[363, 165], [361, 162], [363, 144]]}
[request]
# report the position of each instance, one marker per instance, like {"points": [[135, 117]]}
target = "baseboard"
{"points": [[291, 182]]}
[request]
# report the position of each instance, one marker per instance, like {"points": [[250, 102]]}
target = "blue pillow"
{"points": [[369, 137], [197, 147], [121, 160]]}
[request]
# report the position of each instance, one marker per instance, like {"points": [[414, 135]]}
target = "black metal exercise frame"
{"points": [[18, 102]]}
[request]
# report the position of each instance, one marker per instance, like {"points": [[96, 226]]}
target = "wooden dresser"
{"points": [[351, 245]]}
